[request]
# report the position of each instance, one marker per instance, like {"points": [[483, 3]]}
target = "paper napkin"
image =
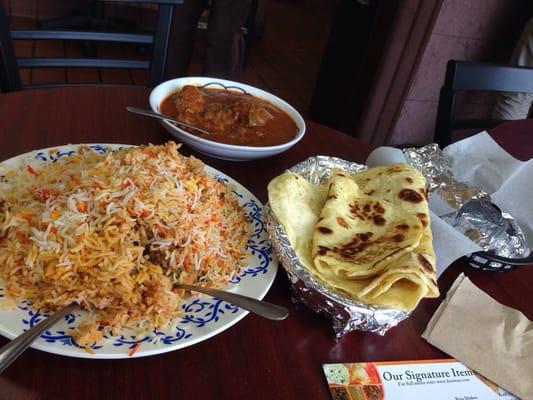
{"points": [[492, 339]]}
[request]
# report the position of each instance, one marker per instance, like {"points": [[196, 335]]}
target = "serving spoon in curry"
{"points": [[13, 349], [163, 117]]}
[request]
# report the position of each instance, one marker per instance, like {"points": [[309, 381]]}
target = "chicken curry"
{"points": [[230, 117]]}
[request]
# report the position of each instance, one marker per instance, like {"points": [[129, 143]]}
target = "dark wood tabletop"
{"points": [[256, 358]]}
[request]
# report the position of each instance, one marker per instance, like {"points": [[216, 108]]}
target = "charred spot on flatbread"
{"points": [[342, 222], [394, 169], [350, 249], [325, 230], [369, 211], [409, 180], [378, 220], [398, 237], [322, 250], [425, 263], [423, 218], [364, 236], [379, 208], [357, 246], [410, 195]]}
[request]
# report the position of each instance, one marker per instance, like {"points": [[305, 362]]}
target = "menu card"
{"points": [[445, 379]]}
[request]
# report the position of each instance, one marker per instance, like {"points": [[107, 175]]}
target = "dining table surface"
{"points": [[256, 358]]}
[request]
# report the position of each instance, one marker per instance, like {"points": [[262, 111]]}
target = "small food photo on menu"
{"points": [[356, 381]]}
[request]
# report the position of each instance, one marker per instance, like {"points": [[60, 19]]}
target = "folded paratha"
{"points": [[404, 187], [296, 204], [403, 293], [358, 235], [397, 280]]}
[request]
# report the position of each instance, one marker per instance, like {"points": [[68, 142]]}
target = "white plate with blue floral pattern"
{"points": [[203, 317]]}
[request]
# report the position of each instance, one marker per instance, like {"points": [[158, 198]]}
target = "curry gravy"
{"points": [[231, 117]]}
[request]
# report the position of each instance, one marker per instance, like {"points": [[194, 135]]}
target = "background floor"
{"points": [[285, 60]]}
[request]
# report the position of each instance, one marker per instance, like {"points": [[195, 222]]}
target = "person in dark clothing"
{"points": [[225, 40]]}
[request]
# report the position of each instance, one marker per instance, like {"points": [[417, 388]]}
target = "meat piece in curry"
{"points": [[230, 116]]}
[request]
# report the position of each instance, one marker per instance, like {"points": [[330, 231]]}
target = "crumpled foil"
{"points": [[474, 215], [430, 161], [346, 313]]}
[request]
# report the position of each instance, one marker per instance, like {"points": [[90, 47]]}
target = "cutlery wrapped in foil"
{"points": [[470, 209]]}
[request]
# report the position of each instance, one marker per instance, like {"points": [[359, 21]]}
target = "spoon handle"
{"points": [[13, 349], [259, 307], [149, 113]]}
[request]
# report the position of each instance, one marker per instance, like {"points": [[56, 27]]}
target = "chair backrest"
{"points": [[473, 76], [9, 64]]}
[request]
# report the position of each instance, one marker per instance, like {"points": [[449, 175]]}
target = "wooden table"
{"points": [[256, 358], [516, 137]]}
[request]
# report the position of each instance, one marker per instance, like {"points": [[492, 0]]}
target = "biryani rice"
{"points": [[115, 232]]}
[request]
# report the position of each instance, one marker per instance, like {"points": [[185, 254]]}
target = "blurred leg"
{"points": [[184, 22], [225, 40], [517, 105]]}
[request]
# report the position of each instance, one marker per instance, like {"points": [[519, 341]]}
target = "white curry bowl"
{"points": [[222, 150]]}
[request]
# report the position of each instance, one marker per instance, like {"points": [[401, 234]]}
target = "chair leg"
{"points": [[9, 74], [445, 112]]}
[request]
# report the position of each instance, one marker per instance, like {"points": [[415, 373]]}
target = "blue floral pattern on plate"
{"points": [[202, 317]]}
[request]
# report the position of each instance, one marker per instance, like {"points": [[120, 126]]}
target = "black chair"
{"points": [[473, 76], [9, 64]]}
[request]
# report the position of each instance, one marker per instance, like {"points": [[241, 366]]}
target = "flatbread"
{"points": [[404, 187], [359, 235], [404, 290], [297, 205]]}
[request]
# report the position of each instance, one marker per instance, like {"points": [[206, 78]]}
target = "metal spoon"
{"points": [[259, 307], [149, 113], [13, 349]]}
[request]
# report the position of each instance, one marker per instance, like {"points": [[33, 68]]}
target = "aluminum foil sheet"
{"points": [[346, 313], [439, 177], [473, 213], [489, 227]]}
